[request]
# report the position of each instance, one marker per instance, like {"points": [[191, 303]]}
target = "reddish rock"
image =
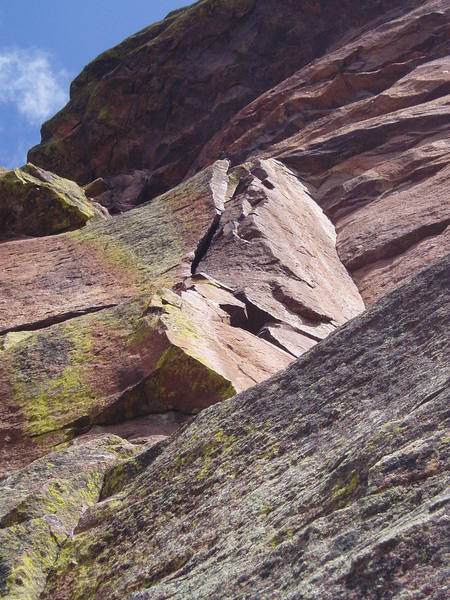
{"points": [[276, 249], [94, 334], [172, 353], [366, 127], [327, 480], [51, 279], [141, 112]]}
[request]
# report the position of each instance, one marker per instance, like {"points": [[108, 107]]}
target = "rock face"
{"points": [[35, 202], [366, 128], [328, 481], [141, 112], [42, 504], [270, 170], [94, 333], [364, 125]]}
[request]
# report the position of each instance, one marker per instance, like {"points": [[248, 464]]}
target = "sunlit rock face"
{"points": [[34, 202], [194, 400]]}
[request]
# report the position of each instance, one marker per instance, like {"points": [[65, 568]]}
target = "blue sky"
{"points": [[44, 44]]}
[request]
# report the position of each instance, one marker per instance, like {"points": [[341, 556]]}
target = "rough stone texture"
{"points": [[51, 279], [276, 249], [141, 112], [93, 334], [367, 128], [148, 430], [36, 202], [328, 481], [141, 357], [364, 124], [41, 505]]}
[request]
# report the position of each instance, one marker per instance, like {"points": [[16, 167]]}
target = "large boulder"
{"points": [[35, 202]]}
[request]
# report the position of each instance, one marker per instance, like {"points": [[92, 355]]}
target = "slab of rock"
{"points": [[35, 202], [276, 249], [141, 357], [376, 279], [148, 430], [366, 127], [41, 505], [141, 112], [48, 280], [328, 481], [93, 337]]}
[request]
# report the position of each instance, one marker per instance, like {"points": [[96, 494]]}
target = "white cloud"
{"points": [[30, 82]]}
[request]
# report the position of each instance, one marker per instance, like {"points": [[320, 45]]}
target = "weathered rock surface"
{"points": [[94, 333], [172, 353], [328, 481], [41, 505], [366, 127], [276, 249], [359, 112], [50, 279], [277, 165], [35, 202], [141, 112]]}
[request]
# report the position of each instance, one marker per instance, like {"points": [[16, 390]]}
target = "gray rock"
{"points": [[329, 481]]}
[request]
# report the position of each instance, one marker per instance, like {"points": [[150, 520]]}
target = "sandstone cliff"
{"points": [[201, 230]]}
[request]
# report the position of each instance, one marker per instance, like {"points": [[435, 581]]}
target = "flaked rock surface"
{"points": [[50, 279], [366, 128], [173, 306], [328, 481], [270, 169]]}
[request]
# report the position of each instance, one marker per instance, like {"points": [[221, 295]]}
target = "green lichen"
{"points": [[182, 382], [37, 202], [116, 479], [203, 455], [345, 488], [388, 432], [266, 509], [15, 337], [61, 382], [29, 551], [281, 536]]}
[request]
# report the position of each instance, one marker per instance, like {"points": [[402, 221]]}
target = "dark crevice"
{"points": [[265, 334], [257, 321], [61, 318], [257, 318], [205, 243], [74, 429]]}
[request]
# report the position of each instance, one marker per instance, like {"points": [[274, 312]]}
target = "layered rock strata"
{"points": [[174, 306], [269, 169], [359, 113], [328, 481]]}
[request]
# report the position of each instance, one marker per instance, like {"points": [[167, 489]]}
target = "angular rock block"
{"points": [[34, 202]]}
